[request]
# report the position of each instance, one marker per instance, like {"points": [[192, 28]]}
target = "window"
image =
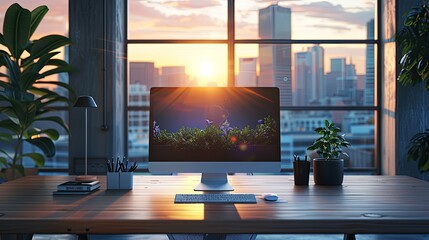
{"points": [[321, 54], [54, 22]]}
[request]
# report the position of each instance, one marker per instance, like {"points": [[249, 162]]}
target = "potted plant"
{"points": [[24, 98], [329, 168], [413, 40]]}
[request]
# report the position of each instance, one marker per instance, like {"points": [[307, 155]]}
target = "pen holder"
{"points": [[120, 180], [301, 172], [126, 180]]}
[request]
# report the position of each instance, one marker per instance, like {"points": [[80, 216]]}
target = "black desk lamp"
{"points": [[86, 102]]}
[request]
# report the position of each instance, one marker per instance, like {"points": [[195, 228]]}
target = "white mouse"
{"points": [[271, 197]]}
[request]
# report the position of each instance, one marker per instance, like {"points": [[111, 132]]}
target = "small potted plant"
{"points": [[329, 168]]}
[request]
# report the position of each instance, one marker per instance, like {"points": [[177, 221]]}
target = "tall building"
{"points": [[275, 60], [247, 74], [174, 76], [341, 81], [309, 76], [369, 76], [143, 73]]}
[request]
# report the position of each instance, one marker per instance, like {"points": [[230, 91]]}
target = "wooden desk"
{"points": [[363, 204]]}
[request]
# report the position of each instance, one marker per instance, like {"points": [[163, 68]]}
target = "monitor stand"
{"points": [[214, 182]]}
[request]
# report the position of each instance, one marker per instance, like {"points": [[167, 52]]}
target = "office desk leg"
{"points": [[16, 236], [349, 237], [83, 237]]}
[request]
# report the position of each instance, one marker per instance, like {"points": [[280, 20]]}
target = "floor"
{"points": [[259, 237]]}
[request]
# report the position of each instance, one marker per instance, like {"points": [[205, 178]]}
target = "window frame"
{"points": [[231, 42]]}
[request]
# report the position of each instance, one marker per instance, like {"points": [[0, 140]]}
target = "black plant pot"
{"points": [[328, 172]]}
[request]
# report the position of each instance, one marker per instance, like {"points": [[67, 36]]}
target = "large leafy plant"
{"points": [[24, 99], [413, 39], [330, 144]]}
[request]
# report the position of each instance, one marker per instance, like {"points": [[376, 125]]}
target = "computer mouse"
{"points": [[271, 197]]}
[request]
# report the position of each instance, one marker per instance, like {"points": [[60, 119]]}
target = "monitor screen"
{"points": [[219, 129]]}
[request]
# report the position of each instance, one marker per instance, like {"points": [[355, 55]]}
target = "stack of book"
{"points": [[76, 187]]}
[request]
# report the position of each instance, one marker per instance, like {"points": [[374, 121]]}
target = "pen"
{"points": [[108, 166], [117, 165]]}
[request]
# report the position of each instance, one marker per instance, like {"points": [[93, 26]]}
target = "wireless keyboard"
{"points": [[215, 198]]}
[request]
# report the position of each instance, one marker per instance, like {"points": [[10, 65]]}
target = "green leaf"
{"points": [[51, 133], [57, 120], [46, 44], [425, 166], [16, 29], [14, 72], [3, 161], [5, 137], [10, 125], [36, 17], [45, 144], [37, 158], [31, 72], [72, 93], [2, 42]]}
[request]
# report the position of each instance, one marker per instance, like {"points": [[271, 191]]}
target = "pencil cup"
{"points": [[301, 172], [113, 180], [126, 180]]}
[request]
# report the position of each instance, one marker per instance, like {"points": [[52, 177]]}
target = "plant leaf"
{"points": [[45, 144], [36, 17], [51, 133], [16, 29], [37, 158], [5, 137], [57, 120], [46, 44], [3, 161]]}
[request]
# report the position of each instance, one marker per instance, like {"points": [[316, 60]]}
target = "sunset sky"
{"points": [[206, 19]]}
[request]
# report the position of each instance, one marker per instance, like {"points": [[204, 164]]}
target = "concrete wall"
{"points": [[86, 55]]}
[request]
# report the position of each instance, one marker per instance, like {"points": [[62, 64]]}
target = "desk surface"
{"points": [[363, 204]]}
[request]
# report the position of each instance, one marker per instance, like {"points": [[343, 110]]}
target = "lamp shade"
{"points": [[85, 101]]}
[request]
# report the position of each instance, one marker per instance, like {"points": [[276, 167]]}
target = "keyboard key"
{"points": [[215, 198]]}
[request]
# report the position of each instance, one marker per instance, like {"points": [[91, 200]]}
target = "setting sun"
{"points": [[206, 69]]}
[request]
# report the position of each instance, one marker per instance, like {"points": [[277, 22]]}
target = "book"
{"points": [[73, 192], [78, 186]]}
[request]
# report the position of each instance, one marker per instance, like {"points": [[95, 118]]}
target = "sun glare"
{"points": [[206, 69]]}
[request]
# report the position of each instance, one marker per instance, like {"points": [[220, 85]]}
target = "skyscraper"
{"points": [[174, 76], [369, 76], [143, 73], [275, 60], [247, 73], [309, 76]]}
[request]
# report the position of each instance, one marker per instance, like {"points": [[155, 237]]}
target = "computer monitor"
{"points": [[214, 131]]}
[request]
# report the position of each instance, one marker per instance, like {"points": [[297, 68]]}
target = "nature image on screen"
{"points": [[214, 124]]}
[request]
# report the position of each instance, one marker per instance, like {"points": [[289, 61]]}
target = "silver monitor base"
{"points": [[214, 182]]}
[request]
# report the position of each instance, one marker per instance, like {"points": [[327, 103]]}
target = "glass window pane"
{"points": [[333, 19], [166, 19], [174, 65], [358, 126], [310, 75], [138, 135]]}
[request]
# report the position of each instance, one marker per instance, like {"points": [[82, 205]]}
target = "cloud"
{"points": [[337, 28], [155, 22], [333, 12], [193, 4]]}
